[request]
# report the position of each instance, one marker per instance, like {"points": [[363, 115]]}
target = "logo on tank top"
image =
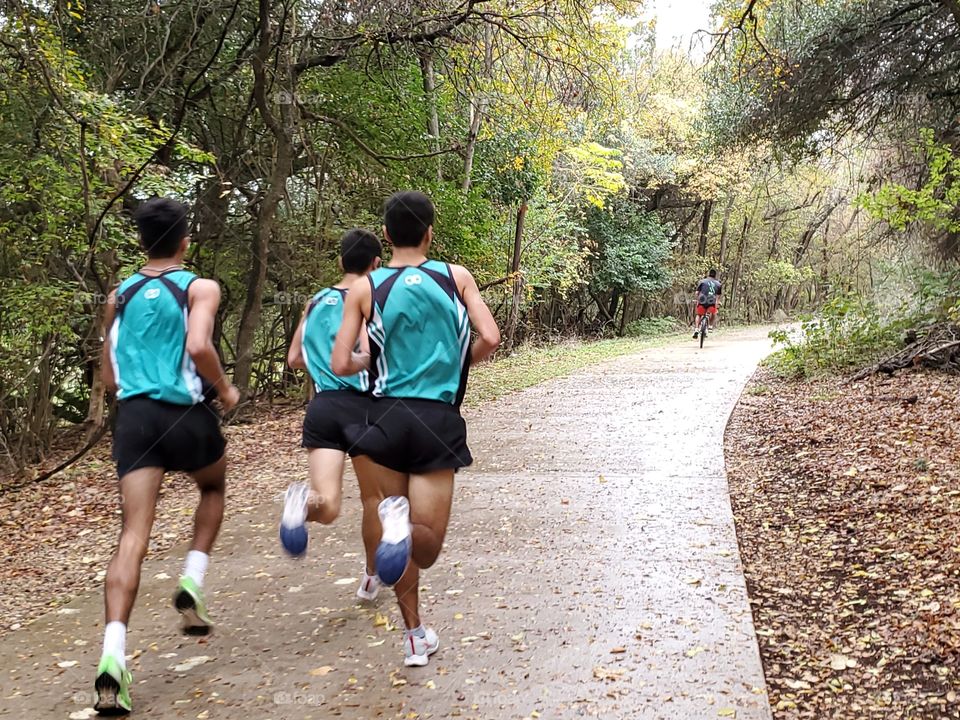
{"points": [[331, 300], [413, 279], [152, 294]]}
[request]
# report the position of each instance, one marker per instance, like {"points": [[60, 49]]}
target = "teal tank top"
{"points": [[419, 333], [148, 339], [324, 317]]}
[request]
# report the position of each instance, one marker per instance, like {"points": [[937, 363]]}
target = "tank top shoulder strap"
{"points": [[321, 294], [382, 281], [177, 282], [442, 274]]}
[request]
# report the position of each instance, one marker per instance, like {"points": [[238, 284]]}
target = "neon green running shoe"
{"points": [[112, 687], [190, 604]]}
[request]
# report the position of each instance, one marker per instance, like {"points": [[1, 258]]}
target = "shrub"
{"points": [[851, 331], [652, 327]]}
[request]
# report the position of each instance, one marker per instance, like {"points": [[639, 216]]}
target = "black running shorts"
{"points": [[329, 416], [152, 433], [414, 436]]}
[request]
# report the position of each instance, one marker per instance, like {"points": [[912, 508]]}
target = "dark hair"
{"points": [[407, 215], [163, 224], [713, 272], [358, 248]]}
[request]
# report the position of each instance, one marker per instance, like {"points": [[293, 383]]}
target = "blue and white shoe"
{"points": [[293, 521], [393, 552]]}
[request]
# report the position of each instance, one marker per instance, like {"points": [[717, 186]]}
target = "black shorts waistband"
{"points": [[417, 403], [161, 403], [344, 392]]}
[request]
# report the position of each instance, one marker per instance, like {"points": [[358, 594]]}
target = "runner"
{"points": [[339, 403], [418, 314], [159, 324]]}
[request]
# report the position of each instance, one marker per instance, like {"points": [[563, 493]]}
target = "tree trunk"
{"points": [[433, 118], [517, 278], [704, 228], [741, 250], [282, 126], [724, 229], [614, 305], [478, 108], [806, 238]]}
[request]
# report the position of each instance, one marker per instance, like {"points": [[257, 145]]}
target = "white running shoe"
{"points": [[369, 587], [293, 531], [393, 552], [418, 650]]}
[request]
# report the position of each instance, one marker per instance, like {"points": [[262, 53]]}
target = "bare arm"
{"points": [[295, 357], [345, 361], [482, 320], [106, 361], [204, 299]]}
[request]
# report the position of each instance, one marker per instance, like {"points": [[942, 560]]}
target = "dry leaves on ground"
{"points": [[57, 536], [847, 502]]}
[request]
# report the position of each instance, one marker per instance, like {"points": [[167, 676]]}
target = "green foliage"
{"points": [[852, 331], [776, 274], [653, 327], [848, 332], [597, 170], [508, 168], [935, 203], [631, 249]]}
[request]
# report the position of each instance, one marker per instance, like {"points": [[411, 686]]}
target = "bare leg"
{"points": [[407, 590], [431, 496], [326, 485], [138, 496], [211, 481], [372, 478]]}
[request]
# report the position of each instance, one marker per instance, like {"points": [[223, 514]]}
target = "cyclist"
{"points": [[708, 292]]}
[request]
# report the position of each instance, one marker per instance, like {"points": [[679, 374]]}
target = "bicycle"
{"points": [[704, 323]]}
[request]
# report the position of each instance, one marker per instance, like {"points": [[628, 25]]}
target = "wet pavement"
{"points": [[591, 570]]}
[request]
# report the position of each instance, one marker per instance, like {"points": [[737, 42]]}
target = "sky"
{"points": [[678, 20]]}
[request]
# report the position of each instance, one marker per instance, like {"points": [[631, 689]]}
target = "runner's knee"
{"points": [[324, 509], [427, 544], [133, 545]]}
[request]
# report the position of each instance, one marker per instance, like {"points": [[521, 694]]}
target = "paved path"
{"points": [[591, 571]]}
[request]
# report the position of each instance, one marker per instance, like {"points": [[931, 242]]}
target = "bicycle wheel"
{"points": [[703, 330]]}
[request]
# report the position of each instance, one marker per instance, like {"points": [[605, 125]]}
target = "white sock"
{"points": [[115, 641], [418, 631], [196, 566]]}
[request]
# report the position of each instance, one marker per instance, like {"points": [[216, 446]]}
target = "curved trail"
{"points": [[591, 570]]}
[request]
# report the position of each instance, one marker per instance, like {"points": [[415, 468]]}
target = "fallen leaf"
{"points": [[842, 662], [191, 663]]}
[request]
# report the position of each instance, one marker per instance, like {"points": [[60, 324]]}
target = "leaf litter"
{"points": [[847, 506]]}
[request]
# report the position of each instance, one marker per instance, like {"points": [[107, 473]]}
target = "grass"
{"points": [[531, 366]]}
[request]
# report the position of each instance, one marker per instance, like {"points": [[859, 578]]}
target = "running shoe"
{"points": [[112, 687], [369, 587], [418, 650], [395, 546], [189, 602], [293, 521]]}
